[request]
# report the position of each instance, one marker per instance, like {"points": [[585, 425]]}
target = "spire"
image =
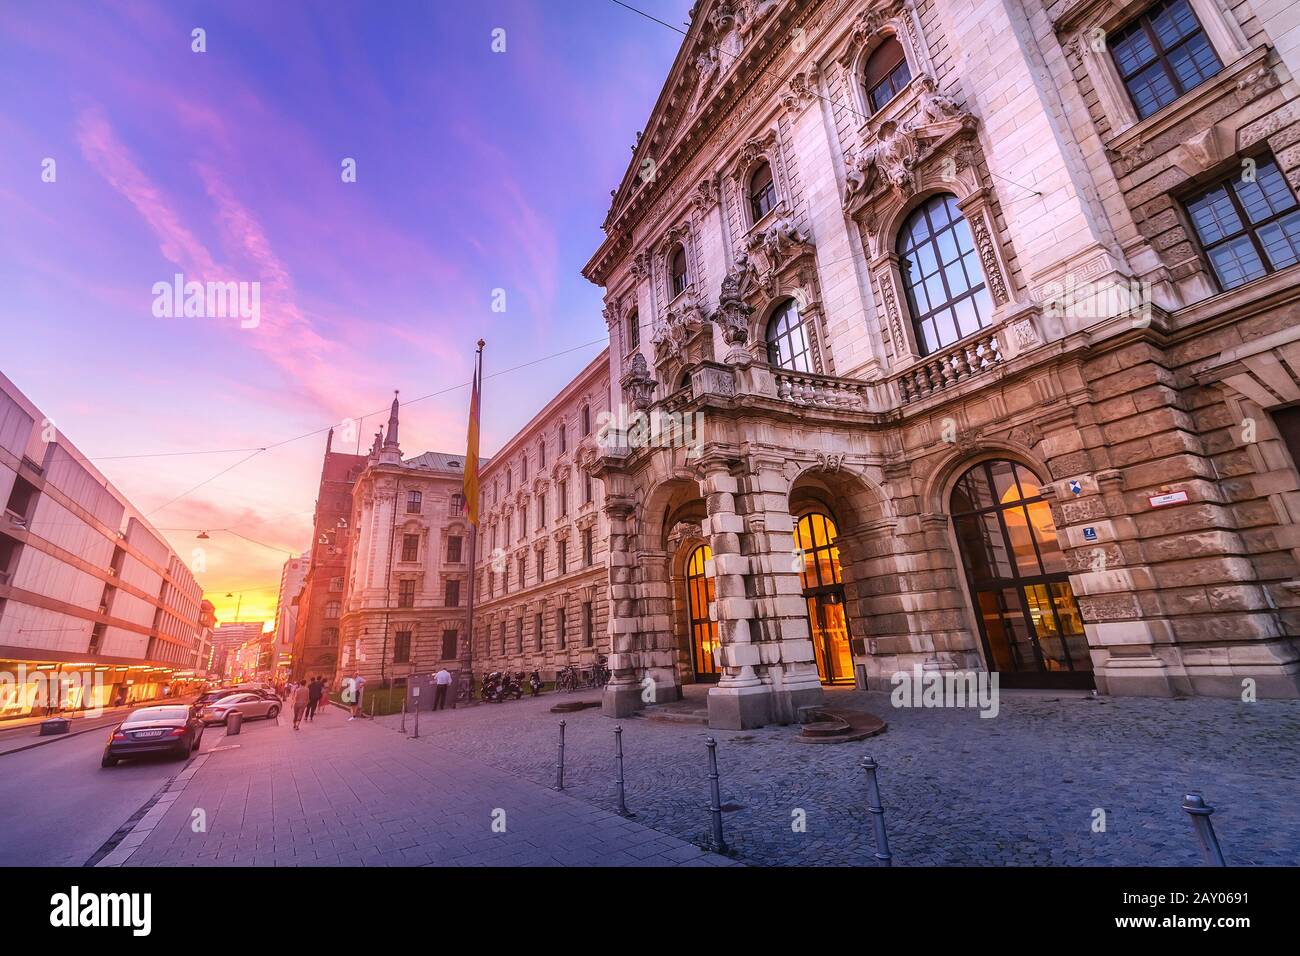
{"points": [[391, 452]]}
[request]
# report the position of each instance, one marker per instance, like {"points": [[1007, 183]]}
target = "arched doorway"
{"points": [[823, 591], [703, 630], [1028, 618]]}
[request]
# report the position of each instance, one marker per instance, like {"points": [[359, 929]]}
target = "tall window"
{"points": [[537, 632], [633, 330], [449, 639], [413, 502], [503, 637], [523, 569], [885, 74], [410, 547], [588, 625], [587, 556], [523, 522], [1028, 618], [564, 439], [406, 593], [332, 610], [787, 342], [941, 272], [510, 481], [519, 633], [456, 506], [523, 469], [586, 488], [562, 557], [1163, 54], [561, 627], [541, 511], [451, 597], [562, 493], [586, 420], [1248, 229], [677, 270], [402, 647], [453, 548], [541, 453], [762, 192], [541, 566], [704, 632], [815, 537]]}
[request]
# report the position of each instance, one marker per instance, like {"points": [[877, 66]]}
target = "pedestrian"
{"points": [[314, 691], [300, 697], [443, 680], [358, 686]]}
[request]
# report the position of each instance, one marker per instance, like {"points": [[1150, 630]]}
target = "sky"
{"points": [[481, 179]]}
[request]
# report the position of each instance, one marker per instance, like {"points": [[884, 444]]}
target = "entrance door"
{"points": [[704, 632], [823, 591], [1029, 621]]}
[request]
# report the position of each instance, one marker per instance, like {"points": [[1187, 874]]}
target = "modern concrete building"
{"points": [[207, 622], [228, 640], [86, 583], [404, 605], [540, 596], [988, 313]]}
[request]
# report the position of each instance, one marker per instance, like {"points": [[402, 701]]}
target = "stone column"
{"points": [[623, 692], [740, 699], [658, 656], [781, 631]]}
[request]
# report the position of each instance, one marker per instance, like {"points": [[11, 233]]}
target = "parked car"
{"points": [[249, 704], [212, 696], [167, 729]]}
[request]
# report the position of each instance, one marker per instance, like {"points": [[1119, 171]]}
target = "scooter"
{"points": [[535, 683]]}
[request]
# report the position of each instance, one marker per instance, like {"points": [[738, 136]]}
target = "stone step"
{"points": [[678, 716]]}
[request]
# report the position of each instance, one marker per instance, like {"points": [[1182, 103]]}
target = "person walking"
{"points": [[443, 681], [314, 691], [301, 696], [358, 686]]}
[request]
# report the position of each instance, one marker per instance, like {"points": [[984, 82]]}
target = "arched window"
{"points": [[762, 192], [787, 342], [704, 632], [885, 74], [823, 590], [634, 329], [1029, 621], [942, 275], [677, 270]]}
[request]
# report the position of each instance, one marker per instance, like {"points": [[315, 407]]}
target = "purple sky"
{"points": [[475, 171]]}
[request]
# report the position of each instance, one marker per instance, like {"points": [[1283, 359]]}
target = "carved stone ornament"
{"points": [[675, 330], [705, 196], [637, 383], [1028, 435], [732, 313], [683, 531], [829, 463]]}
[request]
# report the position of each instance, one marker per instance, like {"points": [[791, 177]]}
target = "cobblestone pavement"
{"points": [[354, 793], [1018, 789]]}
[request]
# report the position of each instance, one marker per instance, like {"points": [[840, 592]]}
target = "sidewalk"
{"points": [[353, 793]]}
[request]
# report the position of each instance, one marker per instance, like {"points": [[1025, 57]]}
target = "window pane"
{"points": [[1044, 622], [1044, 528], [1022, 543], [1132, 49], [1236, 262], [1151, 90], [1281, 241], [1004, 482]]}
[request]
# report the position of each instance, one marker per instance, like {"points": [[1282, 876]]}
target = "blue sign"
{"points": [[1089, 534], [1076, 487]]}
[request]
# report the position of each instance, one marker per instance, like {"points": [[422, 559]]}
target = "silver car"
{"points": [[249, 705]]}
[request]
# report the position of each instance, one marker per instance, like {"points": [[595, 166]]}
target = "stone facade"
{"points": [[405, 606], [540, 597], [1144, 397]]}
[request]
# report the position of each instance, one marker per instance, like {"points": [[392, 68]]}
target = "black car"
{"points": [[151, 730]]}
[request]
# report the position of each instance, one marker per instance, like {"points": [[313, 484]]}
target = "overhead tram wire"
{"points": [[846, 106]]}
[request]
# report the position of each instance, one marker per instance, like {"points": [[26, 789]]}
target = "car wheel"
{"points": [[273, 713], [108, 761]]}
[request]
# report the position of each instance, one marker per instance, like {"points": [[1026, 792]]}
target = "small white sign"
{"points": [[1173, 498]]}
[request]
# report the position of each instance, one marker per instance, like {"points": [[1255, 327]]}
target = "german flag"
{"points": [[471, 451]]}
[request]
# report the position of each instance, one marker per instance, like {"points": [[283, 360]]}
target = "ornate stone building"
{"points": [[989, 311], [405, 601], [540, 596]]}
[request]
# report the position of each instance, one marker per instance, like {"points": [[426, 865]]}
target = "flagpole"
{"points": [[476, 412]]}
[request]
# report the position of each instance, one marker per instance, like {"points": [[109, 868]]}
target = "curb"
{"points": [[55, 739]]}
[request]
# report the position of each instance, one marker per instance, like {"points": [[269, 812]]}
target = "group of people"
{"points": [[305, 698]]}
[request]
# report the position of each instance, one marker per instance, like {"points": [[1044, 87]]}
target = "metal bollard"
{"points": [[623, 811], [416, 735], [1199, 811], [234, 722], [715, 797], [877, 812], [402, 729], [559, 766]]}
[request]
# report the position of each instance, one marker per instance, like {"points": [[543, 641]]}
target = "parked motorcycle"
{"points": [[491, 692], [514, 685], [535, 683]]}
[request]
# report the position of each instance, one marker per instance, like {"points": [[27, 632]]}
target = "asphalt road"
{"points": [[60, 806]]}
